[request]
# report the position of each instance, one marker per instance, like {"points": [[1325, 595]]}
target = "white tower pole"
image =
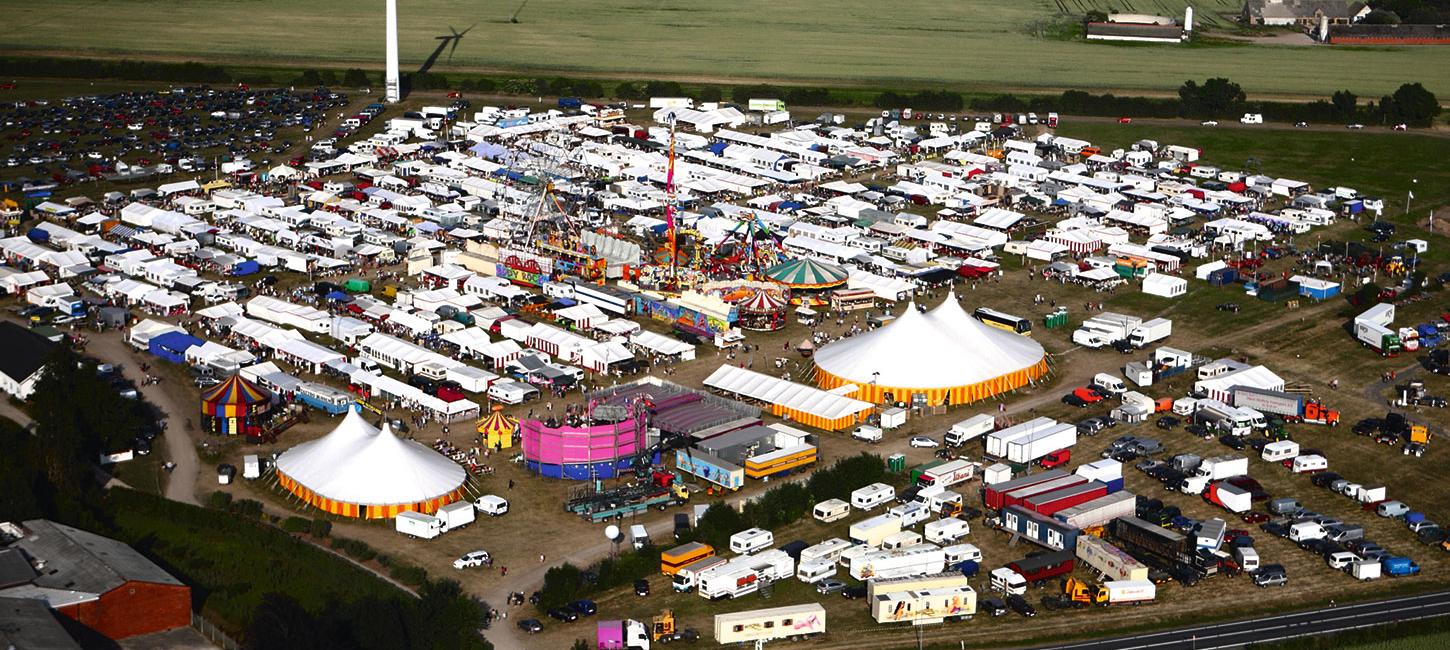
{"points": [[393, 87]]}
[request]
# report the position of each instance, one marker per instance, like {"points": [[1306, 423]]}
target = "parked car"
{"points": [[472, 559], [563, 614], [854, 592], [641, 587], [993, 606], [1021, 606], [829, 586], [584, 607], [1271, 575], [531, 625], [923, 441]]}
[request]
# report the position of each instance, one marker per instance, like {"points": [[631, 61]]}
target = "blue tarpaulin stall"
{"points": [[172, 346]]}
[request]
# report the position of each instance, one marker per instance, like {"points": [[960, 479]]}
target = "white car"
{"points": [[923, 441], [1354, 127], [476, 558], [1209, 123]]}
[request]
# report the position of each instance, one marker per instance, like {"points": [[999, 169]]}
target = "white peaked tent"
{"points": [[946, 355], [360, 471]]}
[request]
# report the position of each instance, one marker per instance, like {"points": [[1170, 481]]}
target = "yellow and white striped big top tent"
{"points": [[360, 471], [944, 354]]}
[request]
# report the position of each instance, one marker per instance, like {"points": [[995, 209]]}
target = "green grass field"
{"points": [[963, 44]]}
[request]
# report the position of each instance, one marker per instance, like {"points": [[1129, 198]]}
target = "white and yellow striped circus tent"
{"points": [[944, 354], [360, 471]]}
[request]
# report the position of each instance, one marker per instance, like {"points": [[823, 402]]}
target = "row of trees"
{"points": [[1411, 12], [926, 100], [773, 509], [189, 71], [1217, 98]]}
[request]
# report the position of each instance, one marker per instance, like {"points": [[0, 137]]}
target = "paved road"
{"points": [[1277, 628]]}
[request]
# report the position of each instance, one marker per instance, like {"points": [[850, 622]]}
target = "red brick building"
{"points": [[99, 582]]}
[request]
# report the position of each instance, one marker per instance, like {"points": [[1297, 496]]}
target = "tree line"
{"points": [[1217, 98]]}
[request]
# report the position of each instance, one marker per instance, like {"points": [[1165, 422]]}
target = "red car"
{"points": [[1125, 120], [1254, 517], [1088, 394]]}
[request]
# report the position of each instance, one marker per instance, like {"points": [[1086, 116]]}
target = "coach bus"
{"points": [[1007, 322]]}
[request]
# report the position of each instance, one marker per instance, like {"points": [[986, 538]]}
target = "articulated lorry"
{"points": [[1293, 406], [1372, 329]]}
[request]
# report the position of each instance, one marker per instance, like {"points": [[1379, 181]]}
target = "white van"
{"points": [[492, 505], [751, 540], [958, 553], [1109, 384], [946, 530], [873, 495], [1280, 450], [815, 570], [1305, 530], [638, 536], [867, 433], [1252, 118], [831, 510], [512, 392]]}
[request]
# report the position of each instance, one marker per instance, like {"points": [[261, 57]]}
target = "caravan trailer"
{"points": [[791, 622]]}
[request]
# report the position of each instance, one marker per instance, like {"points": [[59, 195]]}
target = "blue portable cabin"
{"points": [[1041, 529], [246, 268], [172, 346]]}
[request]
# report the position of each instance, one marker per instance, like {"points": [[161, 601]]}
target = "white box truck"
{"points": [[638, 536], [688, 577], [751, 540], [455, 515], [875, 494], [943, 531], [1127, 592], [831, 510], [948, 474], [417, 524], [997, 440], [969, 429], [871, 532], [1150, 332]]}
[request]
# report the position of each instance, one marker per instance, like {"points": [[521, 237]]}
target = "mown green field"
{"points": [[962, 44]]}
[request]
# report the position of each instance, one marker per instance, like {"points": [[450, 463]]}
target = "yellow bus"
{"points": [[673, 560], [1007, 322]]}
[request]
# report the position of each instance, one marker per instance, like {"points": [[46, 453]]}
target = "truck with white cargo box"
{"points": [[1228, 496], [791, 622], [1104, 329], [688, 576], [948, 474], [969, 429], [831, 510], [875, 494], [751, 540], [1150, 332], [1099, 511], [455, 515], [1128, 592], [1365, 570], [947, 530], [871, 532], [417, 524], [997, 440]]}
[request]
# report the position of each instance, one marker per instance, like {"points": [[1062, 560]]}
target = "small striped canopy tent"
{"points": [[234, 407], [360, 471], [806, 273], [497, 430], [946, 355], [761, 302]]}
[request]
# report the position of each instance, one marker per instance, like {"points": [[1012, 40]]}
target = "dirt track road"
{"points": [[181, 433]]}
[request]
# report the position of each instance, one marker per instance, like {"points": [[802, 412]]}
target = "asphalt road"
{"points": [[1277, 628]]}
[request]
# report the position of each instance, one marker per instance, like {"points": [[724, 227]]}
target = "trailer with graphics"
{"points": [[792, 622], [1110, 561]]}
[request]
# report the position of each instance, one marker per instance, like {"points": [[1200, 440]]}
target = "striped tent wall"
{"points": [[364, 511], [829, 424], [955, 394]]}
